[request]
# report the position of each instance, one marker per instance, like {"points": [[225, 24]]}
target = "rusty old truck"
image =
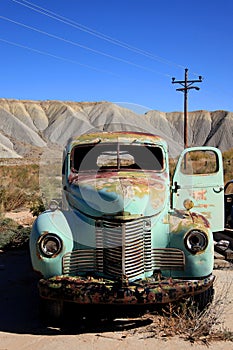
{"points": [[125, 233]]}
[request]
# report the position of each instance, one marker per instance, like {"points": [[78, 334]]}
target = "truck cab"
{"points": [[127, 234]]}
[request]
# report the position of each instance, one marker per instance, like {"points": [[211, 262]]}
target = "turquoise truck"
{"points": [[125, 232]]}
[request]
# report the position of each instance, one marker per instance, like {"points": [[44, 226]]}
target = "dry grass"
{"points": [[19, 186], [191, 324], [228, 165]]}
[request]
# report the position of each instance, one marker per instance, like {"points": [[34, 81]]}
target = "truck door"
{"points": [[199, 176]]}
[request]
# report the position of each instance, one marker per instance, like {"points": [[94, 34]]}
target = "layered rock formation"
{"points": [[29, 127]]}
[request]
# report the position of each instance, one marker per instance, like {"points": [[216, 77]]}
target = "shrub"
{"points": [[19, 185], [37, 207], [13, 235], [187, 322]]}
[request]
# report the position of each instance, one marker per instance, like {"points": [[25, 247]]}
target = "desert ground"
{"points": [[21, 328]]}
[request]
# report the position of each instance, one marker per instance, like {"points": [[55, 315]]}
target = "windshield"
{"points": [[116, 156]]}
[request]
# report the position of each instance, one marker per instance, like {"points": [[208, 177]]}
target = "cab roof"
{"points": [[113, 137]]}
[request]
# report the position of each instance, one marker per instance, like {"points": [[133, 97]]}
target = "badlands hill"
{"points": [[29, 127]]}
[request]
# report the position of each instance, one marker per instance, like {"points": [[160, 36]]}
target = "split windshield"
{"points": [[117, 156]]}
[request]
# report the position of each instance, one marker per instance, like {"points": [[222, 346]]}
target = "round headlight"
{"points": [[50, 245], [196, 241]]}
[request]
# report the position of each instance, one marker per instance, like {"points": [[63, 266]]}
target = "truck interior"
{"points": [[116, 157]]}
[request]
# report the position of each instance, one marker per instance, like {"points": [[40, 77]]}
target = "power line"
{"points": [[81, 46], [91, 31], [56, 56]]}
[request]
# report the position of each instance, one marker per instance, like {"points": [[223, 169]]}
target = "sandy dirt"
{"points": [[22, 217], [21, 328]]}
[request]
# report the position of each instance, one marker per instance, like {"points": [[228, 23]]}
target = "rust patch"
{"points": [[182, 220], [89, 290], [198, 219], [122, 136]]}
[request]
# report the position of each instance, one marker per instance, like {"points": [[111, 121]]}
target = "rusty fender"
{"points": [[82, 290]]}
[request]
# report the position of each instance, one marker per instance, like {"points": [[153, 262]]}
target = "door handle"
{"points": [[175, 187]]}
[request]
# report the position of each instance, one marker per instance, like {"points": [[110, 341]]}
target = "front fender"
{"points": [[50, 222], [200, 264]]}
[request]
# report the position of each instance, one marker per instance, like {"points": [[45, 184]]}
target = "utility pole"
{"points": [[187, 85]]}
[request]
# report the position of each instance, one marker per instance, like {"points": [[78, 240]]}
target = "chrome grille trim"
{"points": [[99, 248], [79, 260], [168, 259], [147, 247], [134, 248], [123, 248]]}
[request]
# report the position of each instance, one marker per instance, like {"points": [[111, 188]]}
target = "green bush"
{"points": [[13, 235], [37, 207]]}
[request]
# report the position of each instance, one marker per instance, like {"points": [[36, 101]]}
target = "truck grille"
{"points": [[123, 248], [168, 259], [78, 261]]}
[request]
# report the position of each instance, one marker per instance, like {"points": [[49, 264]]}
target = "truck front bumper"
{"points": [[82, 290]]}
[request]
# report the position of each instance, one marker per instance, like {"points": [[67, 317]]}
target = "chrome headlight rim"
{"points": [[50, 245], [196, 241]]}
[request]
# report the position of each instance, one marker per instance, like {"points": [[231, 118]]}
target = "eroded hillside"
{"points": [[27, 128]]}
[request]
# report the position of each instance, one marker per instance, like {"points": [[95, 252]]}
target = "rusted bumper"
{"points": [[91, 290]]}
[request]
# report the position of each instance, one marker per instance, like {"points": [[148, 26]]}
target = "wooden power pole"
{"points": [[187, 85]]}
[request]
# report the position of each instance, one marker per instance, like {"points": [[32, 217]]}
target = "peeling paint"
{"points": [[182, 220], [135, 137], [122, 225], [90, 290]]}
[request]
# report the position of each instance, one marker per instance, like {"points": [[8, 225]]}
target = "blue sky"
{"points": [[123, 51]]}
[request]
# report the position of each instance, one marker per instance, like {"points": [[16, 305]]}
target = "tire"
{"points": [[51, 310], [203, 300]]}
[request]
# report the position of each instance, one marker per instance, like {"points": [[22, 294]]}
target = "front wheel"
{"points": [[202, 300], [51, 310]]}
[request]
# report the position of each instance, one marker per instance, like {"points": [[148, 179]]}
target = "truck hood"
{"points": [[114, 194]]}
